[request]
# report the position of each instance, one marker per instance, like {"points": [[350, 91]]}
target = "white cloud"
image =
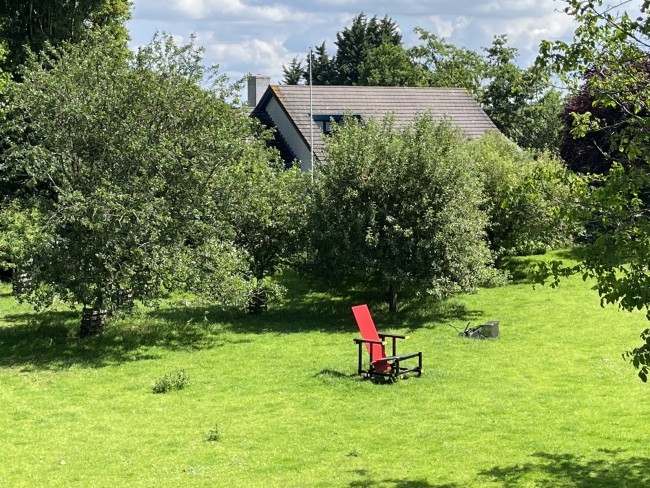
{"points": [[447, 28], [443, 28], [462, 22], [255, 55], [199, 10], [336, 3], [527, 32], [258, 36], [511, 7]]}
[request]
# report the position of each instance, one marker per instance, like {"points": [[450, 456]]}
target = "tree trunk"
{"points": [[392, 298], [258, 302], [93, 320]]}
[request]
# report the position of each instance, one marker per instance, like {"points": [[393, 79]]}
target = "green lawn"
{"points": [[551, 403]]}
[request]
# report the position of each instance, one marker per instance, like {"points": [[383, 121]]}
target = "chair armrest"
{"points": [[393, 336], [369, 341], [393, 358]]}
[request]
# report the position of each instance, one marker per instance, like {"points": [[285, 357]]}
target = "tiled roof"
{"points": [[455, 104]]}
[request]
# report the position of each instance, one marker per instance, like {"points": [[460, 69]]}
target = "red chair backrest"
{"points": [[368, 330]]}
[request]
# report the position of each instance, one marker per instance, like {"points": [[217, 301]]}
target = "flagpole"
{"points": [[311, 119]]}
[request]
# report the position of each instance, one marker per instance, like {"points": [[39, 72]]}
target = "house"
{"points": [[286, 108]]}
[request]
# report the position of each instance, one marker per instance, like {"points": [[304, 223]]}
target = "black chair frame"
{"points": [[396, 369]]}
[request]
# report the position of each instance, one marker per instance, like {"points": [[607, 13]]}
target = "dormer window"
{"points": [[325, 121]]}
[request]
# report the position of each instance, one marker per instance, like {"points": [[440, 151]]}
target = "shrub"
{"points": [[173, 380], [213, 435], [400, 207], [524, 197]]}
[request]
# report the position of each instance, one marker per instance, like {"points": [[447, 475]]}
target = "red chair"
{"points": [[380, 364]]}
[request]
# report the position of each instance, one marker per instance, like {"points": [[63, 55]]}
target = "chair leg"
{"points": [[360, 363]]}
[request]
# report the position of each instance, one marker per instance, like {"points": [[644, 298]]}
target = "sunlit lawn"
{"points": [[549, 403]]}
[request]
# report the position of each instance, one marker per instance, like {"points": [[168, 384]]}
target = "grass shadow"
{"points": [[568, 470], [330, 373], [369, 481], [518, 269], [48, 340], [310, 305], [575, 253]]}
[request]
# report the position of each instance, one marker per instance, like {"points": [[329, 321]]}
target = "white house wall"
{"points": [[290, 134]]}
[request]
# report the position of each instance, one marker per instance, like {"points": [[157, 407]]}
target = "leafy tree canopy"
{"points": [[448, 65], [29, 25], [136, 156], [354, 44], [525, 197], [323, 68], [391, 65], [520, 101], [593, 149], [613, 46], [269, 212], [400, 208], [294, 72]]}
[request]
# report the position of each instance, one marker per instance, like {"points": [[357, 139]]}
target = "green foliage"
{"points": [[214, 434], [538, 124], [19, 229], [8, 185], [400, 208], [354, 45], [448, 65], [640, 356], [527, 198], [611, 48], [323, 69], [355, 42], [391, 65], [30, 26], [135, 156], [268, 210], [170, 381], [293, 73], [521, 102], [5, 77]]}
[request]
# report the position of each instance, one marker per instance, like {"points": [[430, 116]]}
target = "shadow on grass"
{"points": [[575, 253], [567, 470], [330, 373], [48, 340], [313, 307], [369, 481], [518, 268]]}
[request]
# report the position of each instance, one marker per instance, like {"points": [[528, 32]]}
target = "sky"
{"points": [[258, 37]]}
